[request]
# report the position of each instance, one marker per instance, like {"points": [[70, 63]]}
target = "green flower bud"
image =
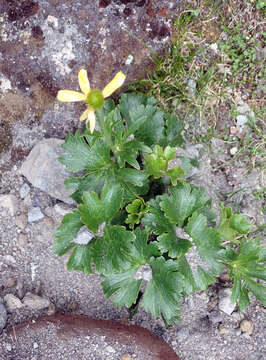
{"points": [[95, 99]]}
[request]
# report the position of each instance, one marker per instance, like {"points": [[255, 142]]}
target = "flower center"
{"points": [[95, 99]]}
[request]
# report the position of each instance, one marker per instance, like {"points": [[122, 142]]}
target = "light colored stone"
{"points": [[62, 209], [144, 272], [3, 316], [233, 150], [247, 327], [9, 259], [51, 309], [126, 357], [35, 345], [241, 120], [191, 87], [243, 108], [35, 302], [22, 240], [110, 349], [84, 236], [223, 329], [10, 282], [225, 303], [35, 214], [24, 191], [44, 171], [12, 302], [21, 221], [9, 202]]}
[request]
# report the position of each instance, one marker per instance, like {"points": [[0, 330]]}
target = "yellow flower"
{"points": [[93, 97]]}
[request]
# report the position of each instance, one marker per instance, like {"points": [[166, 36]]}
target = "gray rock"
{"points": [[35, 214], [182, 334], [225, 303], [12, 302], [44, 171], [3, 316], [21, 221], [215, 317], [35, 302], [24, 191], [241, 120], [10, 203], [84, 236], [62, 209], [243, 108], [191, 87]]}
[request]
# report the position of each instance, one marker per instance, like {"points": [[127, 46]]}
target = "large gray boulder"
{"points": [[44, 171]]}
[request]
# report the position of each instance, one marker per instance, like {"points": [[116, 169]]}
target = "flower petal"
{"points": [[114, 84], [84, 115], [92, 119], [69, 96], [84, 83]]}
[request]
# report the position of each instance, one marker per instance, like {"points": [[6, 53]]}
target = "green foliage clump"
{"points": [[141, 218]]}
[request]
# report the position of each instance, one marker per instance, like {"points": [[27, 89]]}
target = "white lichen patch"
{"points": [[5, 84], [129, 59], [58, 46]]}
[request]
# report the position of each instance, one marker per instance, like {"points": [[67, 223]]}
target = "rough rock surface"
{"points": [[43, 170], [50, 40], [3, 316]]}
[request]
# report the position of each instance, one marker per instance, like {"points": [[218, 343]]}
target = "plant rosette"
{"points": [[131, 208]]}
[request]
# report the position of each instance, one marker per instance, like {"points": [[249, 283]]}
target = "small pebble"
{"points": [[21, 221], [233, 150], [223, 330], [12, 302], [110, 349], [35, 214], [24, 191], [35, 345], [10, 282], [51, 309], [22, 240], [9, 259], [225, 303], [8, 347], [182, 334], [126, 357], [247, 327], [241, 120]]}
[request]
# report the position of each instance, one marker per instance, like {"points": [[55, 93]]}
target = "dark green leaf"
{"points": [[111, 252], [78, 153], [175, 246], [189, 281], [207, 241], [71, 224], [135, 177], [155, 220], [257, 290], [182, 202], [162, 293], [203, 279], [95, 210], [80, 259], [174, 128], [122, 287]]}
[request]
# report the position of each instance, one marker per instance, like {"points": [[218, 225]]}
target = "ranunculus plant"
{"points": [[137, 218]]}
